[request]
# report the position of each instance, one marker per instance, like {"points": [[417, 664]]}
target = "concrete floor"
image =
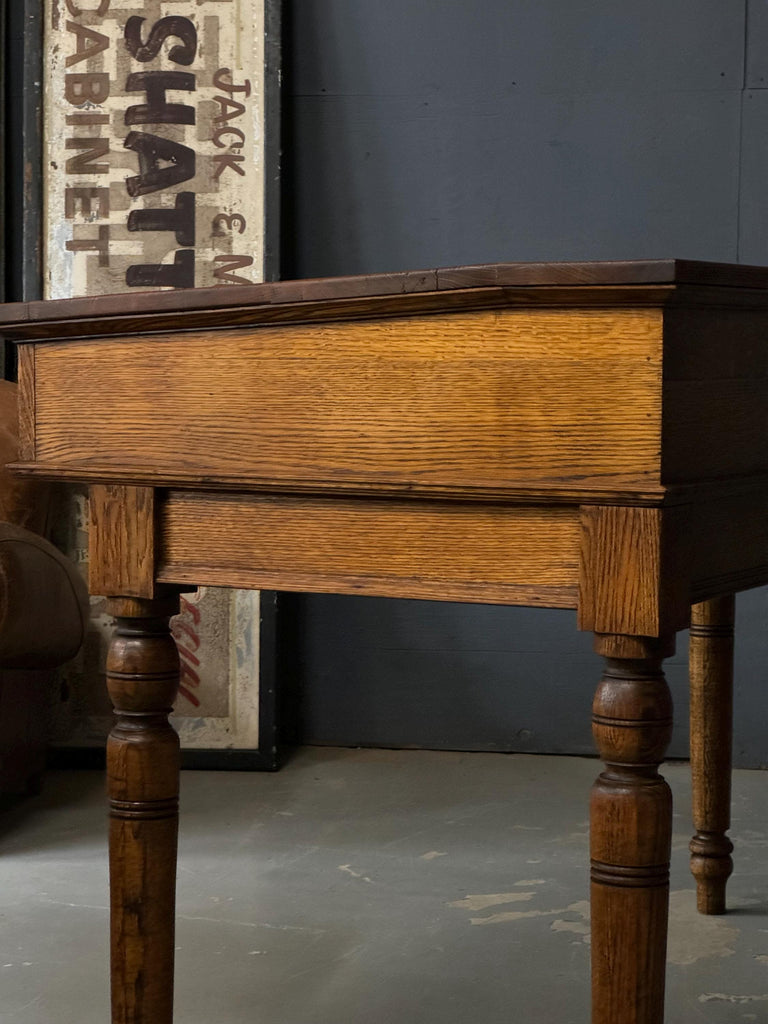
{"points": [[376, 886]]}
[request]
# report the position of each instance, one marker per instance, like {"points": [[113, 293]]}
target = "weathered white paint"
{"points": [[576, 926], [482, 901], [694, 936], [349, 870], [512, 915], [721, 997]]}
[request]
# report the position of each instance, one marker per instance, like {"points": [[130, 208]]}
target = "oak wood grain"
{"points": [[559, 434], [588, 490], [630, 840], [583, 275], [451, 552], [711, 717], [26, 391], [695, 348], [143, 780], [136, 323], [743, 489], [452, 401], [635, 571], [604, 272], [122, 540], [728, 543], [715, 402], [140, 318], [715, 428]]}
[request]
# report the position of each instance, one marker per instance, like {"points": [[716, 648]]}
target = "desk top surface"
{"points": [[647, 280]]}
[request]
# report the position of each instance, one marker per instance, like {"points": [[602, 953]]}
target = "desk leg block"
{"points": [[143, 773], [711, 668], [631, 831]]}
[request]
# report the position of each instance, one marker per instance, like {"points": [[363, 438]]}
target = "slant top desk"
{"points": [[588, 436]]}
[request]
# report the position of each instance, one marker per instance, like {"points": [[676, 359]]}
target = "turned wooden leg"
{"points": [[711, 668], [143, 773], [631, 833]]}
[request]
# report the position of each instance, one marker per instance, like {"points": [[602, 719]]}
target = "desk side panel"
{"points": [[496, 554], [715, 419], [26, 371], [486, 399], [729, 544]]}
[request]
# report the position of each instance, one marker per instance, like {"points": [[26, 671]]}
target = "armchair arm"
{"points": [[43, 602]]}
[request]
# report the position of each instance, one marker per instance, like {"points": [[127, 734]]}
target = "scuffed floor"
{"points": [[371, 886]]}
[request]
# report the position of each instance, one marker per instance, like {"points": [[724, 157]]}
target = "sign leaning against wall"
{"points": [[161, 152]]}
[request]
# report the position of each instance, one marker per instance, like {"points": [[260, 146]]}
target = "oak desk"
{"points": [[588, 436]]}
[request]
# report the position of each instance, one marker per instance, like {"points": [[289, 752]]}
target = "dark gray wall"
{"points": [[440, 133]]}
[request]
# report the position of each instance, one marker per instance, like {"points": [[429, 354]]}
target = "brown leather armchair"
{"points": [[43, 615]]}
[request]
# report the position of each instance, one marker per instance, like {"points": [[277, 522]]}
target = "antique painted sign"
{"points": [[154, 144], [156, 159]]}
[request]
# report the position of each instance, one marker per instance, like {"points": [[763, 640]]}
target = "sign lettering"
{"points": [[155, 176]]}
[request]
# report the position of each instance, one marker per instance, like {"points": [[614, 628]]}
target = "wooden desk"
{"points": [[587, 436]]}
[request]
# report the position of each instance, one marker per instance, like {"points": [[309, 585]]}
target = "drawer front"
{"points": [[469, 401], [436, 550]]}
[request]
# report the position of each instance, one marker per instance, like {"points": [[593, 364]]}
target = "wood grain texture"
{"points": [[351, 307], [606, 272], [141, 318], [635, 571], [728, 542], [26, 375], [715, 417], [695, 350], [633, 648], [450, 552], [122, 540], [635, 273], [715, 428], [190, 316], [711, 672], [447, 401], [420, 435], [592, 491], [630, 841], [143, 781]]}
